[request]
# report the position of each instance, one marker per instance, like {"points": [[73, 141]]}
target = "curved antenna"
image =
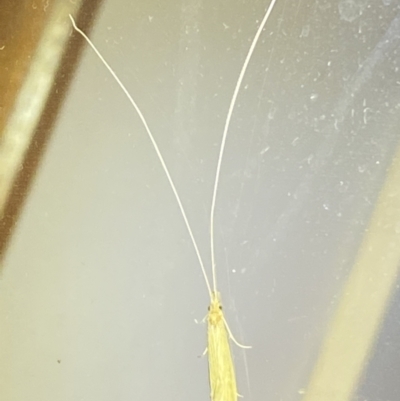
{"points": [[146, 126], [225, 133]]}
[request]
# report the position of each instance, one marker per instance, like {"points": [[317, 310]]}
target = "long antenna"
{"points": [[146, 126], [225, 133]]}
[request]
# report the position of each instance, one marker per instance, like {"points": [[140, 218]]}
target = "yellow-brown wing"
{"points": [[221, 369]]}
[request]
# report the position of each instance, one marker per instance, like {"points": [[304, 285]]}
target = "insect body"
{"points": [[220, 363]]}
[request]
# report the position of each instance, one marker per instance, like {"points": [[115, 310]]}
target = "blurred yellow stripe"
{"points": [[361, 309]]}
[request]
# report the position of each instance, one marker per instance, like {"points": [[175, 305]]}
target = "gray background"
{"points": [[101, 287]]}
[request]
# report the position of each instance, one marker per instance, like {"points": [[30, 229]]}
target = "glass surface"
{"points": [[101, 281]]}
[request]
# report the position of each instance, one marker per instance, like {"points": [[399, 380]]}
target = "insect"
{"points": [[221, 367]]}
